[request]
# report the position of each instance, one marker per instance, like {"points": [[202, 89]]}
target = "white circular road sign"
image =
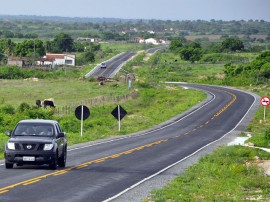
{"points": [[265, 101]]}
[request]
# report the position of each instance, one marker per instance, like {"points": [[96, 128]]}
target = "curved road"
{"points": [[100, 170]]}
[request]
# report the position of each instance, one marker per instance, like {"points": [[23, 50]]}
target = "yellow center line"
{"points": [[31, 182], [4, 191]]}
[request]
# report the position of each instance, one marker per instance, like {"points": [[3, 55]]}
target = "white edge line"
{"points": [[170, 166]]}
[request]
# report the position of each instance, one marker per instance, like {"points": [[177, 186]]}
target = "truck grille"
{"points": [[29, 147]]}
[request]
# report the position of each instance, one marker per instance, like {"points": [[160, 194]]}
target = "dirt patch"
{"points": [[265, 165], [171, 88], [220, 76], [147, 57]]}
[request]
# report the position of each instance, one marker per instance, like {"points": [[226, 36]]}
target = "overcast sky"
{"points": [[142, 9]]}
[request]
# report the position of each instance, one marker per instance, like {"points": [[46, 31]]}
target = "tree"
{"points": [[176, 45], [191, 52], [89, 56], [30, 48], [62, 43], [7, 47], [8, 34], [265, 70], [232, 44], [78, 46]]}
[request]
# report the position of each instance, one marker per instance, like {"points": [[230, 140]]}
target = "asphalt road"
{"points": [[100, 170], [154, 50], [113, 66]]}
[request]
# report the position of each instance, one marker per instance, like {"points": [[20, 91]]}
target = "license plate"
{"points": [[28, 158]]}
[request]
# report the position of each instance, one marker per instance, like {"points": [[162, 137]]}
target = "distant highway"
{"points": [[113, 66], [154, 50], [100, 170]]}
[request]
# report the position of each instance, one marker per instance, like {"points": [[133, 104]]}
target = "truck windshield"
{"points": [[34, 130]]}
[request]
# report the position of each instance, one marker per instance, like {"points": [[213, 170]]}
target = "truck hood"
{"points": [[31, 139]]}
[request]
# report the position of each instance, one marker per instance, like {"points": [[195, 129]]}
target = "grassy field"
{"points": [[64, 91], [124, 47]]}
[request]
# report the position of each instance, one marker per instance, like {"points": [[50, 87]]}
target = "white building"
{"points": [[62, 59], [151, 41], [88, 39]]}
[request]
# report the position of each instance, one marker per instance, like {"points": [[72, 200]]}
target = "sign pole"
{"points": [[82, 122], [82, 113], [264, 113], [265, 101], [119, 119]]}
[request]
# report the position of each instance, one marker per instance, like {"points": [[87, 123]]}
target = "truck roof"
{"points": [[38, 121]]}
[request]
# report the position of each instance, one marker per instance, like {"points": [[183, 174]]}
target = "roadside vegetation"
{"points": [[230, 173]]}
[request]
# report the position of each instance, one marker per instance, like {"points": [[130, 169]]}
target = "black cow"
{"points": [[45, 103], [49, 103], [38, 103]]}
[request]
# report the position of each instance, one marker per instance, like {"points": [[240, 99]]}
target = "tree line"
{"points": [[192, 51], [120, 29], [36, 48]]}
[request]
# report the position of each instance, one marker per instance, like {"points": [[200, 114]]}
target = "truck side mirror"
{"points": [[8, 133], [62, 134]]}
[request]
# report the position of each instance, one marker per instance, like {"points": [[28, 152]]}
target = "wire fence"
{"points": [[97, 101]]}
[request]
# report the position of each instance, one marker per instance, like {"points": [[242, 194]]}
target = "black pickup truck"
{"points": [[36, 142]]}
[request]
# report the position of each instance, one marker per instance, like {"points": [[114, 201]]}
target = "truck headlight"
{"points": [[11, 145], [48, 147]]}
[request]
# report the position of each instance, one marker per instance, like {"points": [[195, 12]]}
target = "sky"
{"points": [[142, 9]]}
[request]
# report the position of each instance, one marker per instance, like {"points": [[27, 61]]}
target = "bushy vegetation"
{"points": [[229, 174], [9, 116], [21, 73], [255, 72]]}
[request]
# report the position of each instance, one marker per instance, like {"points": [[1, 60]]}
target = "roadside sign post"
{"points": [[265, 101], [82, 112], [119, 113], [82, 121], [119, 120]]}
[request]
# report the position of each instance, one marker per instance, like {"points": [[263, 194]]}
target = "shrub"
{"points": [[7, 109]]}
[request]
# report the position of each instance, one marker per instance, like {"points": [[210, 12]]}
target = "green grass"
{"points": [[124, 47], [152, 107], [166, 66], [229, 174], [64, 91], [3, 140]]}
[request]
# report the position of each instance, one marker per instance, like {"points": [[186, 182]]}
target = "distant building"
{"points": [[151, 41], [60, 59], [89, 39], [19, 61], [50, 60], [151, 32]]}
